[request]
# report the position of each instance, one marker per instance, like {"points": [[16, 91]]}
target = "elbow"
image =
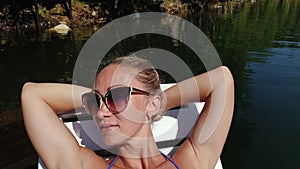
{"points": [[228, 78], [27, 85], [27, 92], [27, 89], [229, 87]]}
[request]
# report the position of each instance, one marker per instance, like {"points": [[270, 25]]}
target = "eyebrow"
{"points": [[109, 88], [115, 86]]}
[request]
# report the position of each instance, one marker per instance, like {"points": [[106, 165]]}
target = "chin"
{"points": [[113, 139]]}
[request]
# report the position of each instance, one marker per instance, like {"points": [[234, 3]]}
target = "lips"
{"points": [[107, 127]]}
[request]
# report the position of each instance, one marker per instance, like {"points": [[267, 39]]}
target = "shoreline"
{"points": [[84, 15]]}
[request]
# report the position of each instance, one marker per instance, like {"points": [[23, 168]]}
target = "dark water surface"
{"points": [[259, 42]]}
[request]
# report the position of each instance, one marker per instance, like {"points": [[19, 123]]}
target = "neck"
{"points": [[139, 148], [140, 153]]}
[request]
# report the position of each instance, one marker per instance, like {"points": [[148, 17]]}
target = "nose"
{"points": [[103, 112]]}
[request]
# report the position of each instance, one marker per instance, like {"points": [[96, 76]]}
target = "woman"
{"points": [[125, 99]]}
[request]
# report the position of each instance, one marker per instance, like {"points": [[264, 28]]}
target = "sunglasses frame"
{"points": [[101, 99]]}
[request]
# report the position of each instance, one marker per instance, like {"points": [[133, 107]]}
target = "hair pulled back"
{"points": [[146, 74]]}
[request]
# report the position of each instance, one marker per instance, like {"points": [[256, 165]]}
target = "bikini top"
{"points": [[169, 159]]}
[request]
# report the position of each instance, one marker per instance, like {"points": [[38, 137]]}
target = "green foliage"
{"points": [[42, 11]]}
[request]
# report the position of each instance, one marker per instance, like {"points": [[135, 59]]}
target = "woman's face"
{"points": [[117, 128]]}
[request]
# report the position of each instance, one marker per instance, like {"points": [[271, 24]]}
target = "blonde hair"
{"points": [[146, 74]]}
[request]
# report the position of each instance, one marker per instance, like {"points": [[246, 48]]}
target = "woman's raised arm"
{"points": [[41, 102], [216, 89]]}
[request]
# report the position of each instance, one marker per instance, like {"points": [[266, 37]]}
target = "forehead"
{"points": [[115, 75]]}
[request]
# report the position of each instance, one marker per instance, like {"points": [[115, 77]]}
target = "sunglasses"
{"points": [[116, 99]]}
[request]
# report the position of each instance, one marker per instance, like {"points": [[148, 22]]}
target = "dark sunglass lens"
{"points": [[117, 99], [91, 102]]}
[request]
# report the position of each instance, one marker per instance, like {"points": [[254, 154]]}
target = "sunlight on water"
{"points": [[259, 42]]}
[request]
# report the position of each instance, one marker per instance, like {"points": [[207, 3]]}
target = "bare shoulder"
{"points": [[89, 159]]}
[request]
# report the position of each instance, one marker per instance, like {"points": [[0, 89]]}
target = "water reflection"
{"points": [[258, 41], [27, 57], [246, 41]]}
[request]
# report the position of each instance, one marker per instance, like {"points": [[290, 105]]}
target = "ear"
{"points": [[154, 106]]}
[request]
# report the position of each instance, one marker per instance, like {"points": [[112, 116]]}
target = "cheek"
{"points": [[139, 103], [135, 111], [130, 128]]}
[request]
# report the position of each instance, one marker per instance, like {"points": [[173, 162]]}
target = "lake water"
{"points": [[259, 42]]}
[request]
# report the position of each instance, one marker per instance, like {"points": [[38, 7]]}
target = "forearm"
{"points": [[197, 88], [60, 97]]}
